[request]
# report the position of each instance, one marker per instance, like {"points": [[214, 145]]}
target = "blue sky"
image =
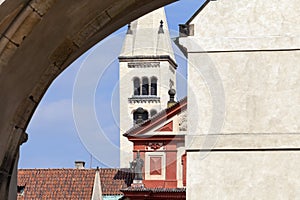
{"points": [[53, 139]]}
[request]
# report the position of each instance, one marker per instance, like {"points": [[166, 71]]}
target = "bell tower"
{"points": [[147, 72]]}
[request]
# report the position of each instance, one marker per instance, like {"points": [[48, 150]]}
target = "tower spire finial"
{"points": [[172, 101], [129, 31], [161, 27]]}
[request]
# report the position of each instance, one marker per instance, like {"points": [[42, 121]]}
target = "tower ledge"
{"points": [[149, 58]]}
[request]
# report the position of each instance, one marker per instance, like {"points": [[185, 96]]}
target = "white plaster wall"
{"points": [[257, 18], [179, 175], [262, 92], [251, 49], [241, 25], [165, 76], [244, 175], [261, 84]]}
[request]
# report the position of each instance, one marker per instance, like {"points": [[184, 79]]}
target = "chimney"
{"points": [[172, 101], [79, 164]]}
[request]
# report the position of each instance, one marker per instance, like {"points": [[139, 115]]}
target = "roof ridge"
{"points": [[157, 115], [49, 169]]}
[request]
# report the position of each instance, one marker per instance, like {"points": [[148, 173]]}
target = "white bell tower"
{"points": [[147, 72]]}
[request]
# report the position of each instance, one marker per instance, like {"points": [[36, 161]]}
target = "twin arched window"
{"points": [[143, 87]]}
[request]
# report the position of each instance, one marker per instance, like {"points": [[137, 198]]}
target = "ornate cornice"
{"points": [[144, 99], [149, 59], [155, 145], [143, 64]]}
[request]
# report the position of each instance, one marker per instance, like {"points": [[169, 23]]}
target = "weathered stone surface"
{"points": [[41, 6], [244, 68], [40, 29], [4, 23], [244, 175]]}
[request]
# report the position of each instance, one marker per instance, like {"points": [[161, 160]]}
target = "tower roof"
{"points": [[148, 36]]}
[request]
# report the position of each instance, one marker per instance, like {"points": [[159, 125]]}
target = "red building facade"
{"points": [[161, 144]]}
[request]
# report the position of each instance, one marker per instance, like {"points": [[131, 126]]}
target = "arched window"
{"points": [[154, 86], [153, 112], [145, 116], [145, 86], [135, 116], [136, 86]]}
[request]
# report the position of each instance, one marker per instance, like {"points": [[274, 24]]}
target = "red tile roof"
{"points": [[56, 183], [112, 180], [70, 183]]}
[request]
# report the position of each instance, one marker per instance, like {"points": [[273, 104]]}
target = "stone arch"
{"points": [[35, 49]]}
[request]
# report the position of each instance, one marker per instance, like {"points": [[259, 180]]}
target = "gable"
{"points": [[161, 121], [167, 127]]}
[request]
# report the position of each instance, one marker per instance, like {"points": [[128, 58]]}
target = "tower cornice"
{"points": [[149, 58]]}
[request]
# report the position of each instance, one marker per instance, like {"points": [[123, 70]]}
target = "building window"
{"points": [[145, 116], [135, 116], [145, 86], [153, 112], [137, 86], [154, 86]]}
